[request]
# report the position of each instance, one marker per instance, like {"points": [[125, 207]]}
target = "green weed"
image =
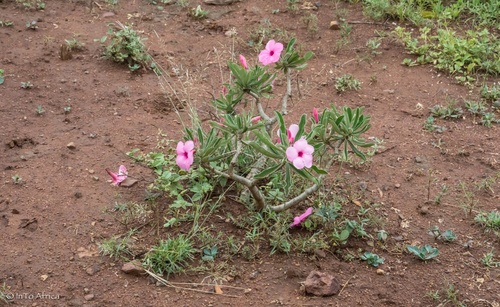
{"points": [[347, 82], [169, 256]]}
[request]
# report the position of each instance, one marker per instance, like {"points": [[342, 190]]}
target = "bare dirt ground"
{"points": [[52, 220]]}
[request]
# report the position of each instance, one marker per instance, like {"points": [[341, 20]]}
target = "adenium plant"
{"points": [[242, 145]]}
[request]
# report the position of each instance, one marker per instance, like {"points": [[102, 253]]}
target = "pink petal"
{"points": [[316, 115], [301, 145], [294, 129], [308, 159], [256, 119], [299, 163], [243, 62], [182, 162], [189, 146], [180, 148], [291, 154], [122, 170]]}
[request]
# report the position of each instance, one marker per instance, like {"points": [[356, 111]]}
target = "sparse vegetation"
{"points": [[347, 82]]}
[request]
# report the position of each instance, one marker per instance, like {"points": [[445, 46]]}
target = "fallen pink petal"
{"points": [[271, 54], [301, 218], [117, 178], [185, 154]]}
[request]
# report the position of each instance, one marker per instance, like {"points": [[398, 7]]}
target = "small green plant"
{"points": [[382, 235], [67, 109], [490, 94], [182, 3], [32, 4], [372, 259], [32, 24], [488, 119], [489, 220], [293, 5], [74, 44], [6, 23], [39, 110], [434, 295], [198, 12], [446, 236], [311, 22], [111, 2], [347, 82], [373, 44], [488, 260], [169, 256], [126, 46], [476, 108], [430, 125], [26, 85], [209, 253], [16, 179], [425, 252], [117, 247], [450, 111], [2, 77]]}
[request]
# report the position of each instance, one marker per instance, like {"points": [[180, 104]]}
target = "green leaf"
{"points": [[262, 150], [318, 170], [268, 171]]}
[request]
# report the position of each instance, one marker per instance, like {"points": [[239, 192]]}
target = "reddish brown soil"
{"points": [[61, 204]]}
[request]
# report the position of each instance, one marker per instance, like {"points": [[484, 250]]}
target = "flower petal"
{"points": [[189, 146], [291, 154], [299, 163], [180, 148], [294, 129]]}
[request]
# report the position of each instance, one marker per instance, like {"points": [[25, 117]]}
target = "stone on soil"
{"points": [[321, 284]]}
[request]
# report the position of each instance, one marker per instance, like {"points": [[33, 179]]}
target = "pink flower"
{"points": [[300, 154], [291, 133], [185, 155], [255, 119], [116, 179], [224, 90], [301, 218], [243, 62], [271, 54], [316, 115]]}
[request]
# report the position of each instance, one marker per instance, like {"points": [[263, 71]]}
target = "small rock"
{"points": [[86, 290], [380, 272], [44, 277], [89, 297], [321, 284], [334, 25], [419, 159], [78, 195], [320, 253], [397, 185], [423, 210], [254, 274], [71, 145], [132, 268]]}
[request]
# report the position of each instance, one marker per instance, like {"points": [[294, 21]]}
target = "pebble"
{"points": [[89, 297], [397, 185], [71, 145], [380, 272]]}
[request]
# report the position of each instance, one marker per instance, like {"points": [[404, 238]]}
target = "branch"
{"points": [[288, 93], [302, 196]]}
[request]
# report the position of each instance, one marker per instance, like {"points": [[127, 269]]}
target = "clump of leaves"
{"points": [[39, 110], [16, 179], [198, 12], [117, 247], [169, 256], [490, 94], [425, 252], [26, 85], [430, 125], [489, 220], [488, 260], [74, 44], [347, 82], [2, 78], [126, 46], [446, 236], [6, 23], [372, 259], [450, 111], [209, 253]]}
